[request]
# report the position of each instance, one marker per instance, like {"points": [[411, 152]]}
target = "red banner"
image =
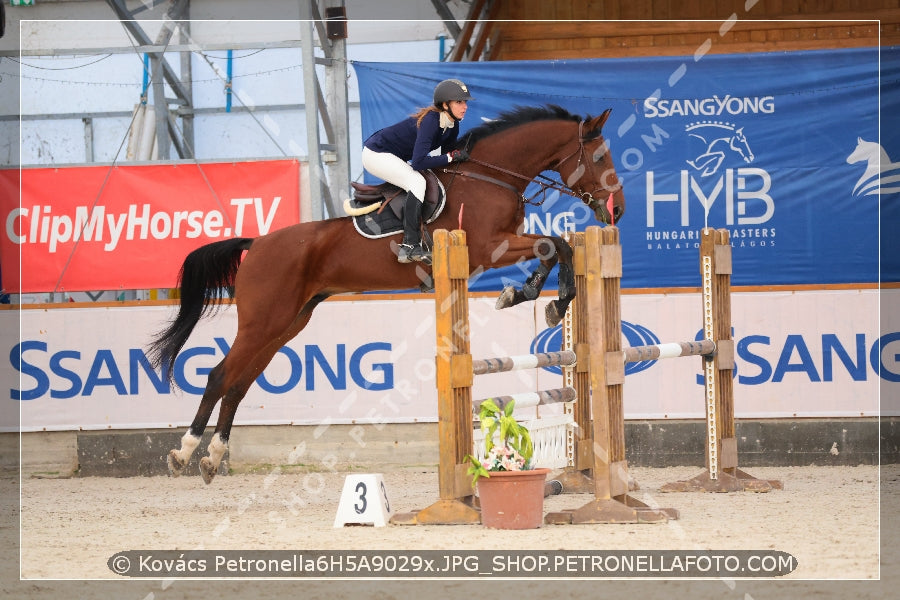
{"points": [[130, 227]]}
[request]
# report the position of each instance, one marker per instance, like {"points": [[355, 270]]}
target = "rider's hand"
{"points": [[457, 156]]}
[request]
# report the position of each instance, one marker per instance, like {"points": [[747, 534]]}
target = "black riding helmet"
{"points": [[450, 89]]}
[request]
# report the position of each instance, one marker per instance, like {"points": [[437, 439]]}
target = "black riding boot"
{"points": [[411, 248]]}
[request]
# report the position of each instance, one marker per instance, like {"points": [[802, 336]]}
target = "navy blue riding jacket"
{"points": [[413, 144]]}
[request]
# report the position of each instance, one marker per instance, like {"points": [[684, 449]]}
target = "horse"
{"points": [[880, 175], [277, 280]]}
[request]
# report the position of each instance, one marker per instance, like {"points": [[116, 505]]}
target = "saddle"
{"points": [[394, 196]]}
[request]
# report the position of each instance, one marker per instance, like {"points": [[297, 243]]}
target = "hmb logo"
{"points": [[740, 192]]}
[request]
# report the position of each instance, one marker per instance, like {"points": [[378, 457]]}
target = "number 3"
{"points": [[361, 489]]}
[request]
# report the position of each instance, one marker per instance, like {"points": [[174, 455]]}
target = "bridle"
{"points": [[581, 151], [543, 181]]}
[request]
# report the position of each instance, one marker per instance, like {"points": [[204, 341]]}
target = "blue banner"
{"points": [[782, 149]]}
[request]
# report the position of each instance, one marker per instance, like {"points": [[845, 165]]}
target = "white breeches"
{"points": [[393, 169]]}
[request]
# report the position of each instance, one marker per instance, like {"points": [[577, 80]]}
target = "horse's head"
{"points": [[740, 145], [868, 151], [589, 172]]}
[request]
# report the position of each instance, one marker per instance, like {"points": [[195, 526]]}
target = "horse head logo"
{"points": [[716, 138], [881, 175]]}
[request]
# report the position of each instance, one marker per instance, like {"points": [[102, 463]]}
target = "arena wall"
{"points": [[105, 433], [262, 449]]}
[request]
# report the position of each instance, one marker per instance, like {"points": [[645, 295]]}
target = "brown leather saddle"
{"points": [[394, 197]]}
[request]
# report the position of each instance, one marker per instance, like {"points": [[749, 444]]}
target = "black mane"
{"points": [[517, 116]]}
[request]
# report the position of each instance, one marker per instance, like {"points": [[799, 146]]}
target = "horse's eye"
{"points": [[600, 151]]}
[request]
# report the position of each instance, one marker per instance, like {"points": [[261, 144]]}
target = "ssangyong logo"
{"points": [[720, 182], [656, 108], [765, 359], [550, 340]]}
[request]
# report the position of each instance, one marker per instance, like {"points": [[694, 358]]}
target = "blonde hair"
{"points": [[420, 114]]}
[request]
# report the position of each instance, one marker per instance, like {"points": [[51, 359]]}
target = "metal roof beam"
{"points": [[156, 49], [132, 26], [447, 17]]}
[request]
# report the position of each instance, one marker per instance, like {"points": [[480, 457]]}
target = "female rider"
{"points": [[397, 153]]}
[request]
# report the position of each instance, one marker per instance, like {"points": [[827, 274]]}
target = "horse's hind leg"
{"points": [[218, 445], [179, 459], [209, 465], [235, 392]]}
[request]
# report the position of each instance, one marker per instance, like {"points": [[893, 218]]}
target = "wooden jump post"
{"points": [[455, 371], [592, 336], [598, 259], [722, 473], [600, 463]]}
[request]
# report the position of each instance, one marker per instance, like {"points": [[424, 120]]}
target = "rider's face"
{"points": [[458, 108]]}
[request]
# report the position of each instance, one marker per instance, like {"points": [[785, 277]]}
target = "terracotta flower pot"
{"points": [[512, 499]]}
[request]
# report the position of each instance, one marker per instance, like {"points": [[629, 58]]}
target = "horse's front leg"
{"points": [[550, 250], [556, 310]]}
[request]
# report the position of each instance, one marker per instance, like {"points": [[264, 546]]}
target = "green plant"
{"points": [[514, 448]]}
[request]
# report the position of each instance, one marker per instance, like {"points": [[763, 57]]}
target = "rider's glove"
{"points": [[457, 156]]}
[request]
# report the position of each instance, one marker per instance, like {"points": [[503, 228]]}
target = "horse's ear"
{"points": [[596, 124]]}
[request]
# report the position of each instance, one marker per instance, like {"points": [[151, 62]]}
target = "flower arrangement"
{"points": [[514, 450]]}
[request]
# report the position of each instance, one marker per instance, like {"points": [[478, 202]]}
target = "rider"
{"points": [[397, 153]]}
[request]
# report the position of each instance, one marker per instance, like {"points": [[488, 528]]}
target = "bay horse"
{"points": [[286, 273]]}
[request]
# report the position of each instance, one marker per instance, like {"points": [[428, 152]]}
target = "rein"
{"points": [[543, 181], [487, 178], [545, 185]]}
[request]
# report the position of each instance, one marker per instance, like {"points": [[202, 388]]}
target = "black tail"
{"points": [[203, 279]]}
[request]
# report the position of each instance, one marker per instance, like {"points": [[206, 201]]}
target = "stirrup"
{"points": [[413, 253], [403, 253]]}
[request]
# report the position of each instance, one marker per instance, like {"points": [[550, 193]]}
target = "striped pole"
{"points": [[671, 350], [565, 358], [529, 399]]}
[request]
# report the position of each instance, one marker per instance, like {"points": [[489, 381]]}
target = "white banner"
{"points": [[798, 354]]}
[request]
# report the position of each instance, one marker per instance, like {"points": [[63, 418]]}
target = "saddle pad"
{"points": [[376, 224]]}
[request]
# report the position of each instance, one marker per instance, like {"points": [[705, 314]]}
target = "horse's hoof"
{"points": [[176, 465], [551, 314], [506, 297], [207, 470]]}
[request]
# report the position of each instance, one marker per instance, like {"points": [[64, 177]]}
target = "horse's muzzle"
{"points": [[607, 213]]}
